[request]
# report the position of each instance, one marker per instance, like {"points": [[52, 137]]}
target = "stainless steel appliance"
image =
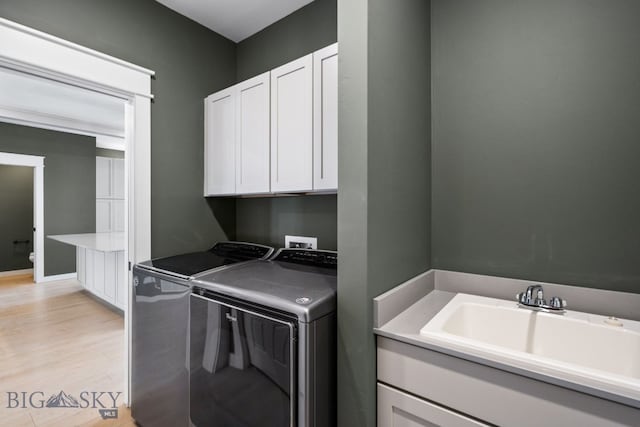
{"points": [[160, 377], [263, 343]]}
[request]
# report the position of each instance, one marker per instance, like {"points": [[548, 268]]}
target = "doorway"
{"points": [[35, 53]]}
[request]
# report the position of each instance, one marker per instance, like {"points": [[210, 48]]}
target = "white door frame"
{"points": [[37, 163], [31, 51]]}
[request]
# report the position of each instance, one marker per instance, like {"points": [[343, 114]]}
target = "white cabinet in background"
{"points": [[103, 215], [117, 178], [103, 274], [252, 135], [325, 119], [103, 178], [292, 126], [220, 141]]}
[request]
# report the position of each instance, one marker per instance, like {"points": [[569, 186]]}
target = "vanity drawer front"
{"points": [[398, 409], [492, 395]]}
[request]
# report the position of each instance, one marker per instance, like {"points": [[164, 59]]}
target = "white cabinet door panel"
{"points": [[117, 215], [117, 178], [121, 277], [98, 272], [325, 118], [103, 178], [292, 126], [252, 135], [103, 216], [110, 277], [220, 135], [399, 409]]}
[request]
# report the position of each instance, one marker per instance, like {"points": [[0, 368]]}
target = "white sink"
{"points": [[578, 347]]}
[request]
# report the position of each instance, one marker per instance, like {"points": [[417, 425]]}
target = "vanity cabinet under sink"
{"points": [[451, 358]]}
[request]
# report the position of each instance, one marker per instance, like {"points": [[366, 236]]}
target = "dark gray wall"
{"points": [[104, 152], [69, 186], [268, 220], [305, 30], [190, 62], [536, 140], [16, 217], [384, 165]]}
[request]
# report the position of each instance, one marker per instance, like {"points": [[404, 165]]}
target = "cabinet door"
{"points": [[252, 136], [98, 273], [117, 215], [117, 178], [398, 409], [292, 126], [103, 177], [103, 216], [110, 277], [325, 118], [219, 146], [121, 280]]}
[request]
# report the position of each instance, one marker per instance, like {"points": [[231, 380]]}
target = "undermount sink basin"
{"points": [[592, 350]]}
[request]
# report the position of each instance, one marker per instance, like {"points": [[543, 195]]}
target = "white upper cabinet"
{"points": [[252, 135], [292, 126], [325, 119], [276, 132], [219, 147]]}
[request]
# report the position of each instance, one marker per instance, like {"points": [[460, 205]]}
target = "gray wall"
{"points": [[384, 165], [69, 186], [104, 152], [305, 30], [536, 140], [16, 217], [190, 62], [268, 220]]}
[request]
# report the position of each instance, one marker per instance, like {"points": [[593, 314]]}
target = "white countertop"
{"points": [[103, 242]]}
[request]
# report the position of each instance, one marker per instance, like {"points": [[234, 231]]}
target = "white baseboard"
{"points": [[16, 272], [66, 276]]}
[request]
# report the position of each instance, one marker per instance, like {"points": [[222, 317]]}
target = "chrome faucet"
{"points": [[533, 298]]}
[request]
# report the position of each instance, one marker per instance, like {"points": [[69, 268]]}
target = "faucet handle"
{"points": [[557, 303]]}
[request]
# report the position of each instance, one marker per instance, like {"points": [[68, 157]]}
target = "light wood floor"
{"points": [[53, 337]]}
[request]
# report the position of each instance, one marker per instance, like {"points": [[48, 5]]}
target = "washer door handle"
{"points": [[231, 318]]}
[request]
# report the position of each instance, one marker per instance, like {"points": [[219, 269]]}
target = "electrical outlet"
{"points": [[301, 242]]}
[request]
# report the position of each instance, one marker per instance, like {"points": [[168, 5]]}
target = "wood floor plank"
{"points": [[54, 337]]}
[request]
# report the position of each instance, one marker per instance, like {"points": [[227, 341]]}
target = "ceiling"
{"points": [[235, 19], [31, 100]]}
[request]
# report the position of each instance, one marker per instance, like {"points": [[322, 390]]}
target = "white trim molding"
{"points": [[31, 51]]}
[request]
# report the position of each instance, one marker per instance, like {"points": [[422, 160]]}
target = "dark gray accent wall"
{"points": [[69, 186], [305, 30], [16, 217], [536, 140], [104, 152], [190, 62], [384, 201], [268, 220]]}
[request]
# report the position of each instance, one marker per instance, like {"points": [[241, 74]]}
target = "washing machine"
{"points": [[160, 322], [263, 343]]}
